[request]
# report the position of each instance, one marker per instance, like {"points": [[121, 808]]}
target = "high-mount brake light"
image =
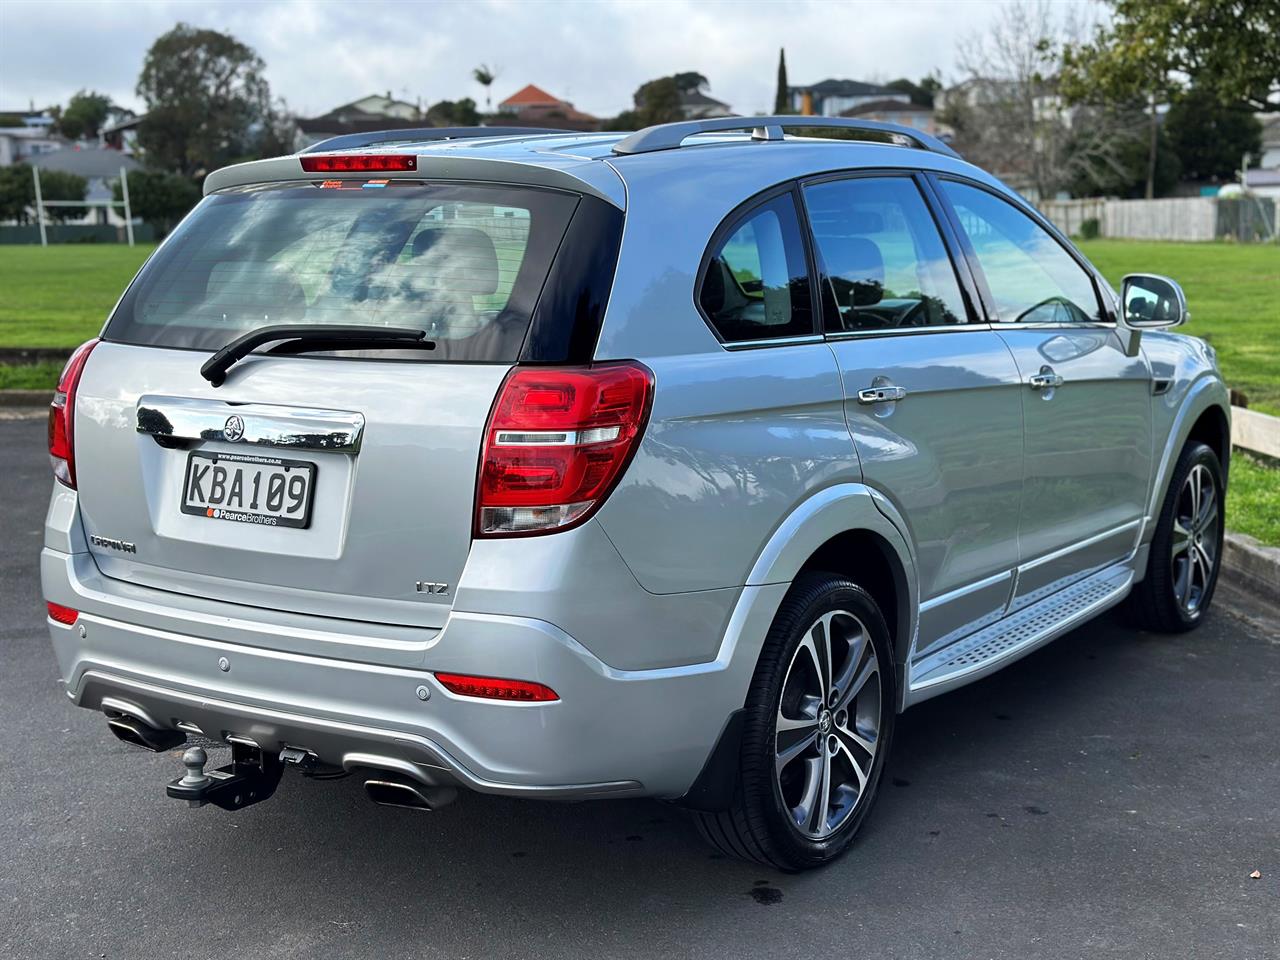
{"points": [[494, 688], [62, 416], [359, 163], [556, 443]]}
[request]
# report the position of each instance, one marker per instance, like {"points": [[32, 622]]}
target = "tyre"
{"points": [[819, 719], [1186, 551]]}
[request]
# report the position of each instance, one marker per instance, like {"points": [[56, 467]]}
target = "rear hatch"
{"points": [[339, 483]]}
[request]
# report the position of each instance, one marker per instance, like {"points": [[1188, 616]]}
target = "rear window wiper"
{"points": [[297, 338]]}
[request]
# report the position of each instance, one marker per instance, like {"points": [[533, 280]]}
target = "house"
{"points": [[1262, 183], [1270, 159], [696, 105], [25, 134], [531, 106], [374, 112], [100, 166], [831, 98], [529, 97], [906, 114]]}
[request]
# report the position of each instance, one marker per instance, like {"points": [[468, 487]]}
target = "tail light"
{"points": [[493, 688], [556, 443], [61, 614], [62, 416]]}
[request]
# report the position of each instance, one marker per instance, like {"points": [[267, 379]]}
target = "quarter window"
{"points": [[883, 261], [1031, 277], [756, 286]]}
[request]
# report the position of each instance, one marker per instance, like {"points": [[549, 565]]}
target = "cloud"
{"points": [[321, 53]]}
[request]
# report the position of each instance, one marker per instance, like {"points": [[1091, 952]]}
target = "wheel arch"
{"points": [[1204, 415], [848, 529], [854, 531]]}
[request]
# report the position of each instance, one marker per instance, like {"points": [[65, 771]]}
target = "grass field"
{"points": [[60, 296], [1253, 499]]}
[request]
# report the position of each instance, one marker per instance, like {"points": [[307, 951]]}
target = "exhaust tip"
{"points": [[131, 730], [396, 793]]}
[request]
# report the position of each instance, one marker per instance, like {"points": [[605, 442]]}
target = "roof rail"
{"points": [[669, 136], [354, 141]]}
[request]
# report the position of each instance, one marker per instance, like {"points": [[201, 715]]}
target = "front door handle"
{"points": [[1046, 379], [880, 394]]}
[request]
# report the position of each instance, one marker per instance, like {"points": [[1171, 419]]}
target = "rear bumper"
{"points": [[613, 732]]}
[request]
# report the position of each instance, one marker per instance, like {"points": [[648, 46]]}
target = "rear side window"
{"points": [[882, 256], [756, 285], [464, 263], [1031, 277]]}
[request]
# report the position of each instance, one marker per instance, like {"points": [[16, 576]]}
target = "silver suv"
{"points": [[570, 466]]}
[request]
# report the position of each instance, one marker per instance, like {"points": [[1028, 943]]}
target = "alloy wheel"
{"points": [[1196, 522], [828, 724]]}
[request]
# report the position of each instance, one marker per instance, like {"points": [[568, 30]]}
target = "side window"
{"points": [[882, 256], [1031, 277], [757, 284]]}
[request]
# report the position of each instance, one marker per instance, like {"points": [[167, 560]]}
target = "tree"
{"points": [[1231, 50], [485, 76], [1008, 115], [160, 199], [85, 115], [207, 101], [454, 113], [17, 192], [658, 101], [691, 81], [921, 93], [1154, 49], [782, 97], [1122, 170], [1209, 138], [58, 185]]}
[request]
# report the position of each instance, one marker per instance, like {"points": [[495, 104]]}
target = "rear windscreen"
{"points": [[465, 263]]}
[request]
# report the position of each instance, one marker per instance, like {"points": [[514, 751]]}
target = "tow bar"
{"points": [[251, 777]]}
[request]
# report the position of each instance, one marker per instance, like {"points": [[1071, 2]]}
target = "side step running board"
{"points": [[1017, 635]]}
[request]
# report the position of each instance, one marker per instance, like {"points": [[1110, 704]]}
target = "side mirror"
{"points": [[1150, 302]]}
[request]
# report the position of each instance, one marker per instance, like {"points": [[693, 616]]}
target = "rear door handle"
{"points": [[880, 394], [1045, 380]]}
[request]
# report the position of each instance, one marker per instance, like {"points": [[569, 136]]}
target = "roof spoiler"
{"points": [[354, 141], [669, 136]]}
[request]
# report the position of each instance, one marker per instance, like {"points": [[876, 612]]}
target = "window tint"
{"points": [[882, 256], [462, 262], [1031, 277], [757, 284]]}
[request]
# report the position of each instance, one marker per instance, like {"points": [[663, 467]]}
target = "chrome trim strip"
{"points": [[774, 342], [871, 334], [1078, 545], [956, 594], [269, 425]]}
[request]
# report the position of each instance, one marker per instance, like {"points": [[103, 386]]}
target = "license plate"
{"points": [[244, 488]]}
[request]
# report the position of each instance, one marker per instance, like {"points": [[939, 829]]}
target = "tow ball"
{"points": [[251, 777]]}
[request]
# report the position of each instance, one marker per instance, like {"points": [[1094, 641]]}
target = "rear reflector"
{"points": [[359, 162], [492, 688], [62, 614], [557, 442], [62, 416]]}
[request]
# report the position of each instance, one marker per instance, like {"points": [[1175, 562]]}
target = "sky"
{"points": [[323, 53]]}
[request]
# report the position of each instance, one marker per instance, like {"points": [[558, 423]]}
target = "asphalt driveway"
{"points": [[1108, 796]]}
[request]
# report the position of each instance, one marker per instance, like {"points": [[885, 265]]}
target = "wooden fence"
{"points": [[1248, 219]]}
